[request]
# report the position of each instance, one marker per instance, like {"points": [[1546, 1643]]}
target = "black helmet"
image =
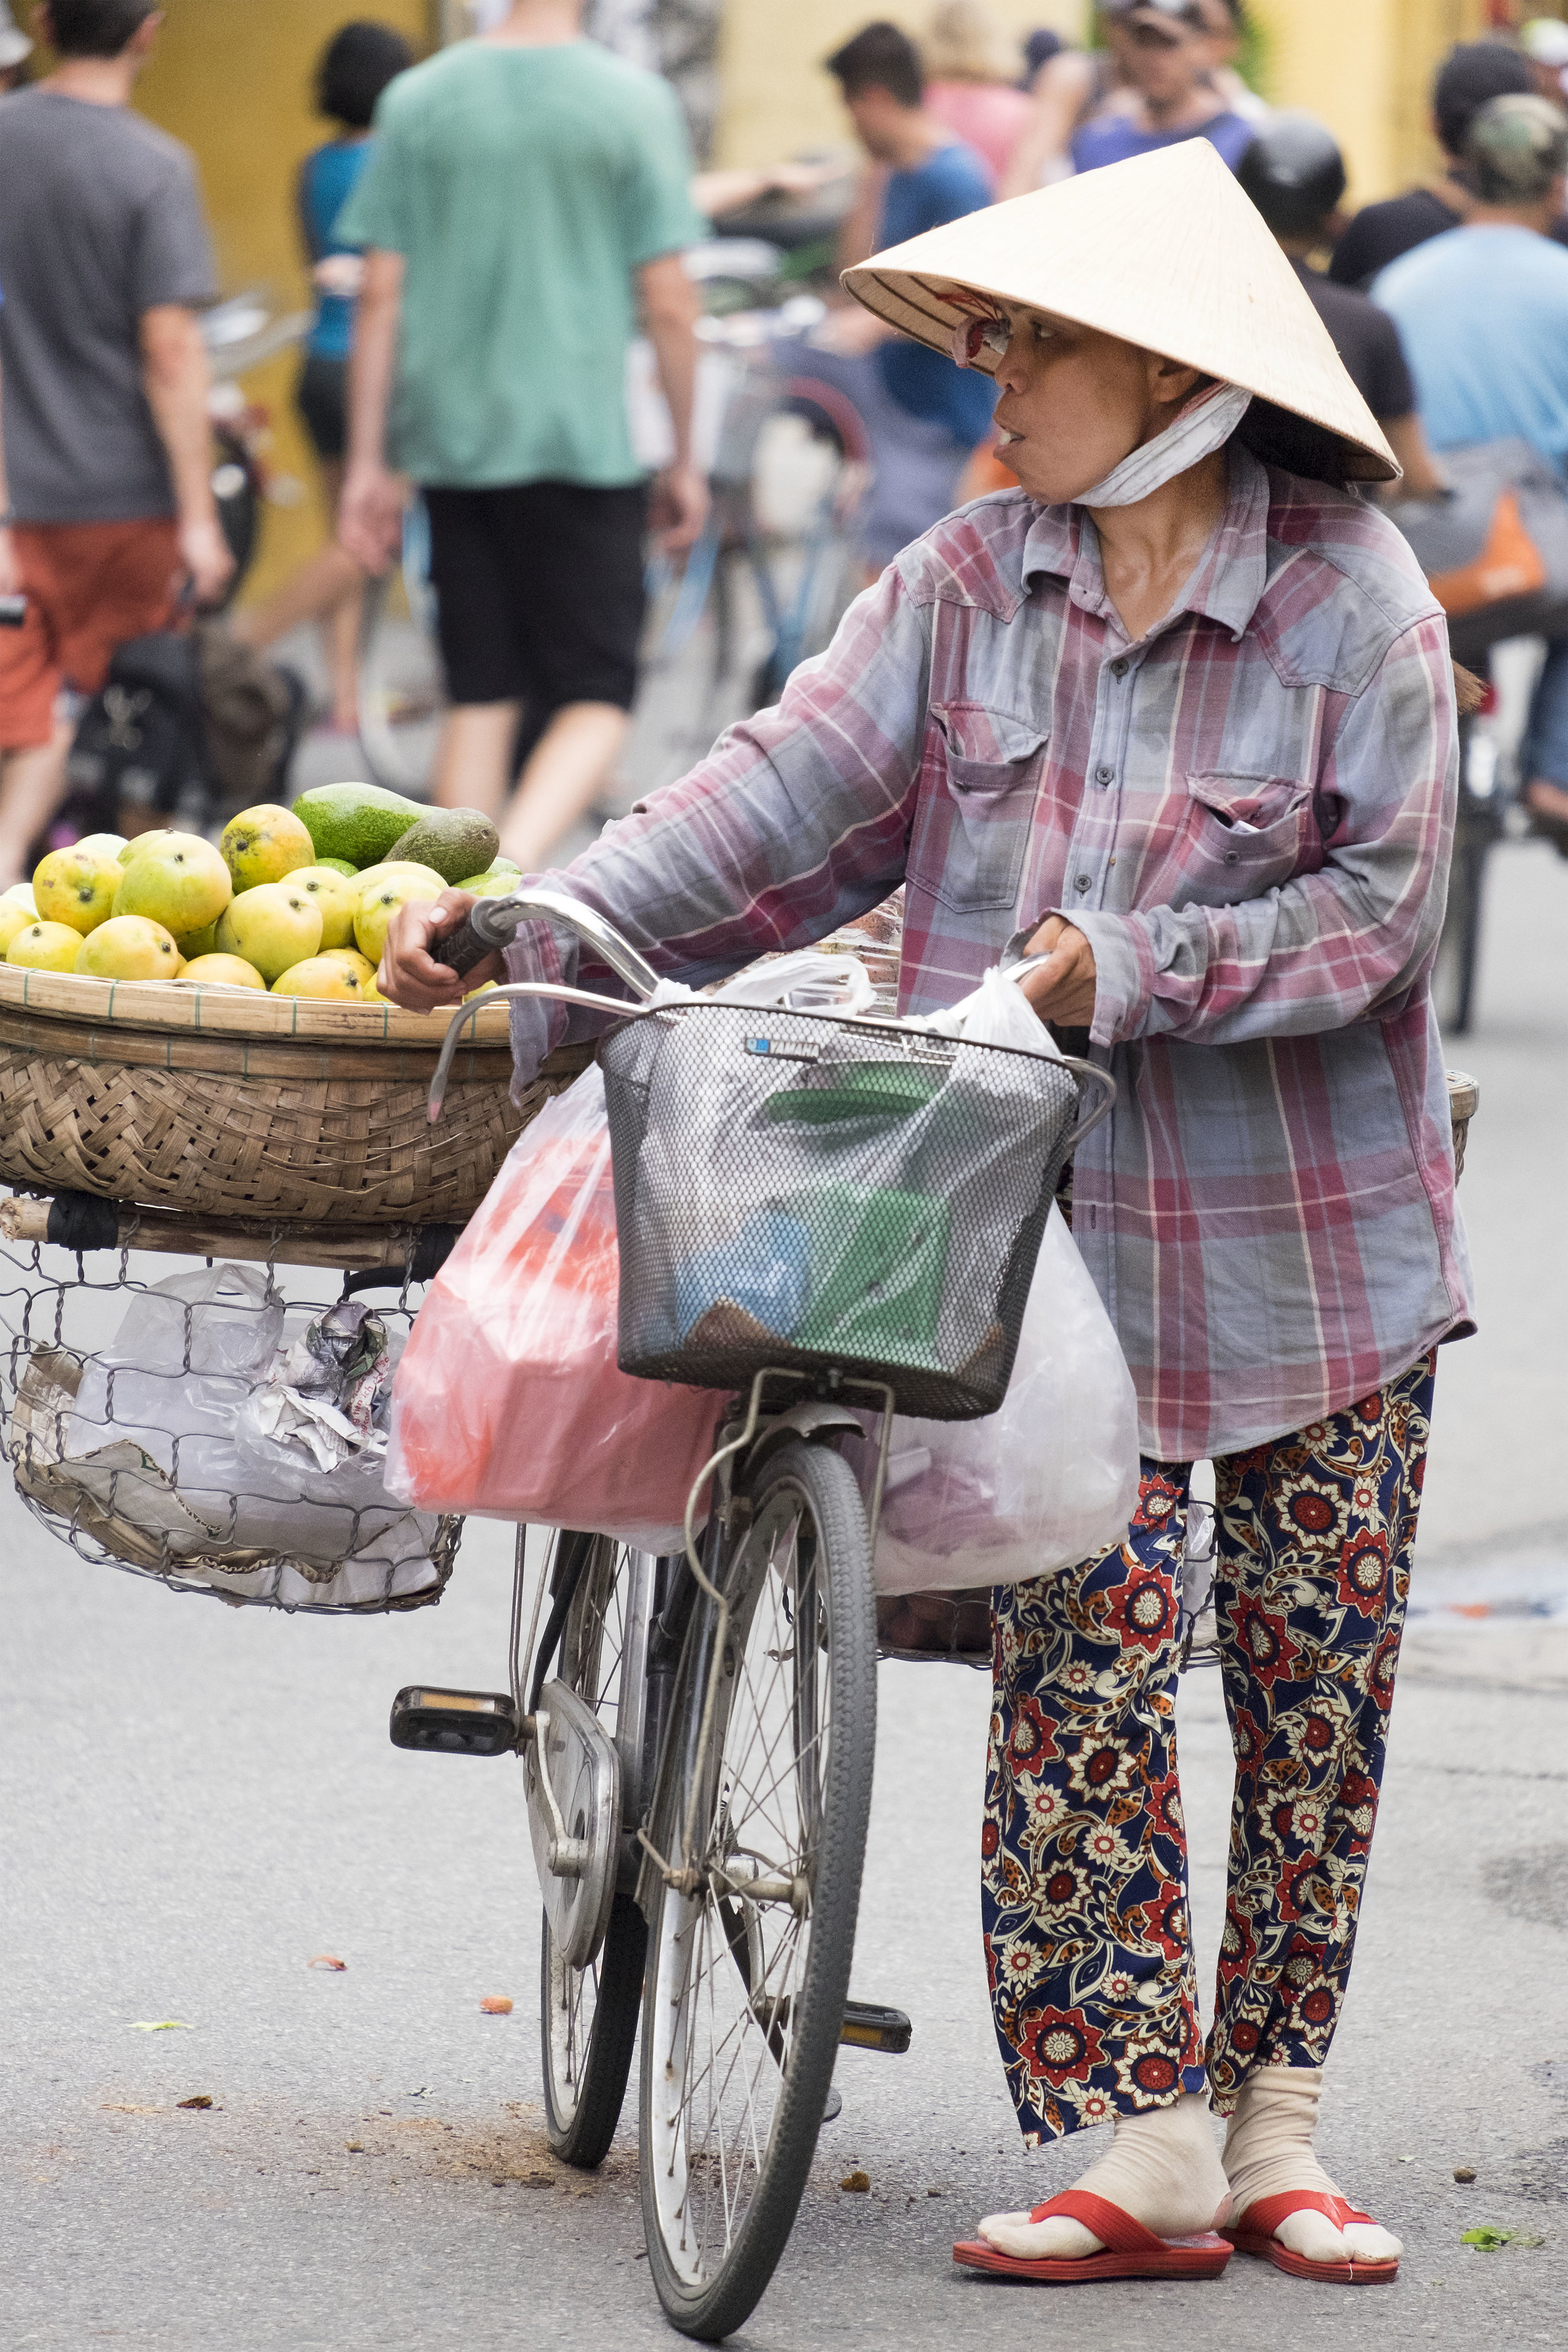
{"points": [[1294, 174]]}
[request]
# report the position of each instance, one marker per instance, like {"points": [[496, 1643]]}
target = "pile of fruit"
{"points": [[295, 900]]}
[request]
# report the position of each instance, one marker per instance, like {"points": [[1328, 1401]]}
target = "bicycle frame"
{"points": [[649, 1764]]}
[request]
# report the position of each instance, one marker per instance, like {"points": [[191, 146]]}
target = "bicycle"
{"points": [[699, 1764]]}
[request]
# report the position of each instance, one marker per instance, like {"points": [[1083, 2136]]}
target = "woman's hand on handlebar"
{"points": [[412, 973]]}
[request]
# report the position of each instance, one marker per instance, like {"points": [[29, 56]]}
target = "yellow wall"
{"points": [[777, 99], [232, 79], [1364, 68]]}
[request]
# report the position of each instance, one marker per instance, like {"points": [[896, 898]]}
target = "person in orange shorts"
{"points": [[105, 502]]}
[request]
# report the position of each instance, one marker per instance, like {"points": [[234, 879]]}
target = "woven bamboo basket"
{"points": [[230, 1104]]}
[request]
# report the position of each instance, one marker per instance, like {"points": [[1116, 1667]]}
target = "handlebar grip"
{"points": [[461, 948]]}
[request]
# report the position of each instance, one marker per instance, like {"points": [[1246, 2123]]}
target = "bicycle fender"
{"points": [[818, 1423]]}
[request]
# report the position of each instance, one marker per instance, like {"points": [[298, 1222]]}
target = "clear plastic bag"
{"points": [[165, 1437], [1047, 1480], [1052, 1475], [508, 1402]]}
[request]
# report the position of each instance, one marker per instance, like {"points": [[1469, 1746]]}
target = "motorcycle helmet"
{"points": [[1294, 173]]}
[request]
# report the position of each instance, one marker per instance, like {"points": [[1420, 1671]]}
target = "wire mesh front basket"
{"points": [[208, 1432], [800, 1189]]}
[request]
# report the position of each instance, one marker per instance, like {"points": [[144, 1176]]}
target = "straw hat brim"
{"points": [[1167, 253]]}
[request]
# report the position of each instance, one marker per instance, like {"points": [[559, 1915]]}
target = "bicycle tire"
{"points": [[585, 2060], [580, 2133], [717, 2220]]}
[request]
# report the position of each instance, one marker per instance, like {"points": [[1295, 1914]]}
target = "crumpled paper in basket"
{"points": [[328, 1395]]}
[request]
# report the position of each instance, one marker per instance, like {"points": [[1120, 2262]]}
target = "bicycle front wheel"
{"points": [[749, 1971], [588, 2016]]}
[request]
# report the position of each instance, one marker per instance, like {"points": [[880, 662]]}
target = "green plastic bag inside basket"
{"points": [[858, 1090], [883, 1256]]}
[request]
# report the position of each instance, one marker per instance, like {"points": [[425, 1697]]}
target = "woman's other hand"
{"points": [[411, 973], [1062, 990]]}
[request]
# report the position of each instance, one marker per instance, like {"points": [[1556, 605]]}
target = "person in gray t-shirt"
{"points": [[105, 451]]}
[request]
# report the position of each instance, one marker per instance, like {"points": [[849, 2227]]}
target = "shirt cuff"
{"points": [[537, 1025]]}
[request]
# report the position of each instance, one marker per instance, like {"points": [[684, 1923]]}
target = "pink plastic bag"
{"points": [[508, 1402]]}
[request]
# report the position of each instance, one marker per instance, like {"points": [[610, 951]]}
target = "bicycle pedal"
{"points": [[868, 2027], [453, 1723]]}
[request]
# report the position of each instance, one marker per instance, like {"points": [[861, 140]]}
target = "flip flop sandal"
{"points": [[1253, 2233], [1131, 2250]]}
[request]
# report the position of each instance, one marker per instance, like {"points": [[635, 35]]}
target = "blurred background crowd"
{"points": [[514, 488]]}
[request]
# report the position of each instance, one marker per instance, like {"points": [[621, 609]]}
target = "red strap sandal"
{"points": [[1131, 2250], [1252, 2232]]}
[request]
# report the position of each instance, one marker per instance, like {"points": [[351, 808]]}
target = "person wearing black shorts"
{"points": [[540, 597], [528, 196]]}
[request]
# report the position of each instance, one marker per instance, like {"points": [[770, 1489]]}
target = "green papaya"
{"points": [[355, 822]]}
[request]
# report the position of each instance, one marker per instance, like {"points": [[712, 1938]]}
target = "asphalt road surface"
{"points": [[197, 1802]]}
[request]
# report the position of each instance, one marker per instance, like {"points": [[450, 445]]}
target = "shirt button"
{"points": [[1233, 856], [1105, 775], [1119, 668], [1082, 882]]}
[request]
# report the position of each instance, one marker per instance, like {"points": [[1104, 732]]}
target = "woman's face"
{"points": [[1076, 401]]}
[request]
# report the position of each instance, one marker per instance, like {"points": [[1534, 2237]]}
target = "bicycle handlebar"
{"points": [[492, 923]]}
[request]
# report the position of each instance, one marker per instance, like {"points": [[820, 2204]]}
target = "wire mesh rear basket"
{"points": [[148, 1426], [800, 1189]]}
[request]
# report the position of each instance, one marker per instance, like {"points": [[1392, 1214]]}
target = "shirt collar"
{"points": [[1230, 578]]}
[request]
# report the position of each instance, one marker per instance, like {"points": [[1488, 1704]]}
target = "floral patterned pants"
{"points": [[1084, 1861]]}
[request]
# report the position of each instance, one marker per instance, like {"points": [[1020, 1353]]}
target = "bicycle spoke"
{"points": [[739, 1968]]}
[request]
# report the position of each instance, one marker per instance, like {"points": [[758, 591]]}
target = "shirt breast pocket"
{"points": [[979, 782], [1245, 836]]}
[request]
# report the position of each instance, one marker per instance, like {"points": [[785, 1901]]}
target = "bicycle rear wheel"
{"points": [[588, 2016], [748, 1973]]}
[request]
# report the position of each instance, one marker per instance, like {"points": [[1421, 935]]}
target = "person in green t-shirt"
{"points": [[526, 201]]}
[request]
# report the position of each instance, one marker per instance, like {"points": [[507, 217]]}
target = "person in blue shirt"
{"points": [[1172, 53], [352, 70], [1482, 312], [925, 417]]}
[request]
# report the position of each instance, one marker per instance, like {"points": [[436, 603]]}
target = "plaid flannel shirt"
{"points": [[1248, 812]]}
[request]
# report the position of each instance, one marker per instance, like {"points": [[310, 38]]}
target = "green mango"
{"points": [[455, 842], [499, 883]]}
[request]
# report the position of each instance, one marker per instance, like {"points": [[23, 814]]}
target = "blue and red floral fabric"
{"points": [[1084, 1862]]}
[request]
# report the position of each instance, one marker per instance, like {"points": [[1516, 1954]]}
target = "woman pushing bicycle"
{"points": [[1178, 714]]}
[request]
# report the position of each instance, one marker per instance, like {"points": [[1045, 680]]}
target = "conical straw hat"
{"points": [[1166, 252]]}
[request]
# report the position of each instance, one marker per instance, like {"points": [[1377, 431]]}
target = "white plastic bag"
{"points": [[163, 1426], [1052, 1476]]}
